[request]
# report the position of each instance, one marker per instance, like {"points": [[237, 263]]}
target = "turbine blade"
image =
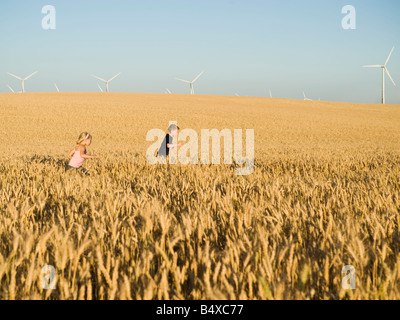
{"points": [[30, 75], [99, 78], [11, 88], [197, 77], [374, 66], [387, 71], [182, 80], [15, 76], [389, 56], [100, 88], [114, 77], [56, 87]]}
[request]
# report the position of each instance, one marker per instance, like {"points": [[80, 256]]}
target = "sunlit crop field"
{"points": [[324, 194]]}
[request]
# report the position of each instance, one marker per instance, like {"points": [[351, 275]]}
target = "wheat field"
{"points": [[324, 194]]}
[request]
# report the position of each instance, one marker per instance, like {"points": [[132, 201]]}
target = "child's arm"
{"points": [[85, 156], [71, 153], [174, 145]]}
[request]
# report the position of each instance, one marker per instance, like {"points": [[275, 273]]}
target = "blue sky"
{"points": [[245, 47]]}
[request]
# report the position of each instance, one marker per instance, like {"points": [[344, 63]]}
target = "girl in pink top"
{"points": [[78, 154]]}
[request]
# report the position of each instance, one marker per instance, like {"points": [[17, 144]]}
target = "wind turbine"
{"points": [[100, 88], [12, 90], [106, 81], [305, 98], [270, 94], [56, 87], [383, 74], [191, 82], [168, 91], [22, 80]]}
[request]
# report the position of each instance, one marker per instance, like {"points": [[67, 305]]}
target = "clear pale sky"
{"points": [[244, 47]]}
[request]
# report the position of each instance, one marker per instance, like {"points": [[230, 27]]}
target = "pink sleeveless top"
{"points": [[76, 160]]}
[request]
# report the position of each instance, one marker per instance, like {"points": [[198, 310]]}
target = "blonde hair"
{"points": [[83, 136]]}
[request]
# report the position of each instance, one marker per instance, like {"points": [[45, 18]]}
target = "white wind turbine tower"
{"points": [[305, 98], [22, 80], [191, 82], [270, 94], [106, 81], [383, 74], [56, 87]]}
